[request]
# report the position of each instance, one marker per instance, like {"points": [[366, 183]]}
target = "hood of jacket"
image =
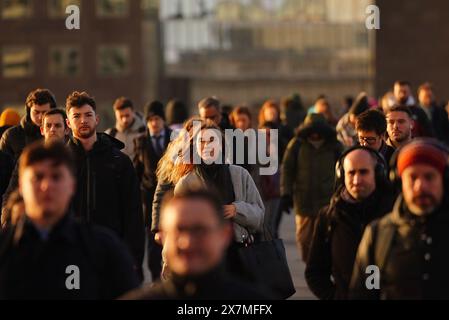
{"points": [[29, 127], [316, 123]]}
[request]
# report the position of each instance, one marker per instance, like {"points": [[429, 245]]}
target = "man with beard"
{"points": [[108, 190], [399, 126], [363, 194], [407, 249], [403, 96], [128, 126]]}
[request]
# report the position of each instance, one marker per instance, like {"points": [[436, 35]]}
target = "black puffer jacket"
{"points": [[108, 191], [336, 237], [411, 253], [16, 138]]}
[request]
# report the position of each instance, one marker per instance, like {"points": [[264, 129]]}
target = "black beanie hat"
{"points": [[155, 108]]}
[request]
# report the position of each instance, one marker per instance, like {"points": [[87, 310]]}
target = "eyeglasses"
{"points": [[368, 140], [196, 232]]}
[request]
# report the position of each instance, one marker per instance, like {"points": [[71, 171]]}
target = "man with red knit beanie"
{"points": [[404, 255]]}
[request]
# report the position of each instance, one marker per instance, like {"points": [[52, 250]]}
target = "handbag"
{"points": [[266, 261]]}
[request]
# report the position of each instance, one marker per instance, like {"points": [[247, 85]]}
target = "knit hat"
{"points": [[422, 152], [9, 117], [155, 108]]}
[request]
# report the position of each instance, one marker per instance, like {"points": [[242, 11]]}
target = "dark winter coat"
{"points": [[15, 139], [108, 191], [34, 268], [338, 230], [410, 252], [308, 173]]}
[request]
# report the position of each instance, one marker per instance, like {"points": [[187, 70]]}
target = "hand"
{"points": [[158, 238], [230, 211], [286, 203]]}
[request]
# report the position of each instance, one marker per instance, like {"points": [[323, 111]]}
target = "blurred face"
{"points": [[53, 127], [208, 145], [194, 241], [370, 139], [426, 97], [46, 190], [83, 121], [401, 93], [321, 106], [422, 188], [37, 111], [360, 178], [399, 126], [242, 121], [125, 117], [270, 114], [155, 124], [211, 113]]}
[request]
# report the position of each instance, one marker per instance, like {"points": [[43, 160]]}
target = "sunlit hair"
{"points": [[238, 111], [178, 160], [269, 104]]}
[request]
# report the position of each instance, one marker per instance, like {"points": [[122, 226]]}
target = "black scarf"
{"points": [[218, 179]]}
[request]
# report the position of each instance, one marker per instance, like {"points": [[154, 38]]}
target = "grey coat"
{"points": [[249, 204]]}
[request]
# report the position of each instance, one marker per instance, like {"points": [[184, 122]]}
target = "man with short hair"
{"points": [[403, 95], [107, 191], [149, 150], [408, 247], [210, 109], [128, 125], [362, 195], [47, 254], [16, 138], [436, 114], [371, 127], [195, 235], [399, 126], [53, 128]]}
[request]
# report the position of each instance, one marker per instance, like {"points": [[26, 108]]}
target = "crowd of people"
{"points": [[368, 189]]}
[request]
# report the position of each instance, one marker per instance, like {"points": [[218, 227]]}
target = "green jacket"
{"points": [[308, 174]]}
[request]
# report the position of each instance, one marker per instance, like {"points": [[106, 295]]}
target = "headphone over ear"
{"points": [[394, 177], [380, 169]]}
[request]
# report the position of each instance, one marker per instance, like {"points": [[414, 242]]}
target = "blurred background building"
{"points": [[115, 52], [250, 50], [242, 51]]}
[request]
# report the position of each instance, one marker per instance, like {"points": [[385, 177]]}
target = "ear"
{"points": [[41, 128], [68, 123], [97, 119]]}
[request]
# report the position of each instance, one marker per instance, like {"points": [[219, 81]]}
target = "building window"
{"points": [[113, 60], [112, 8], [17, 62], [65, 61], [56, 8], [16, 9]]}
